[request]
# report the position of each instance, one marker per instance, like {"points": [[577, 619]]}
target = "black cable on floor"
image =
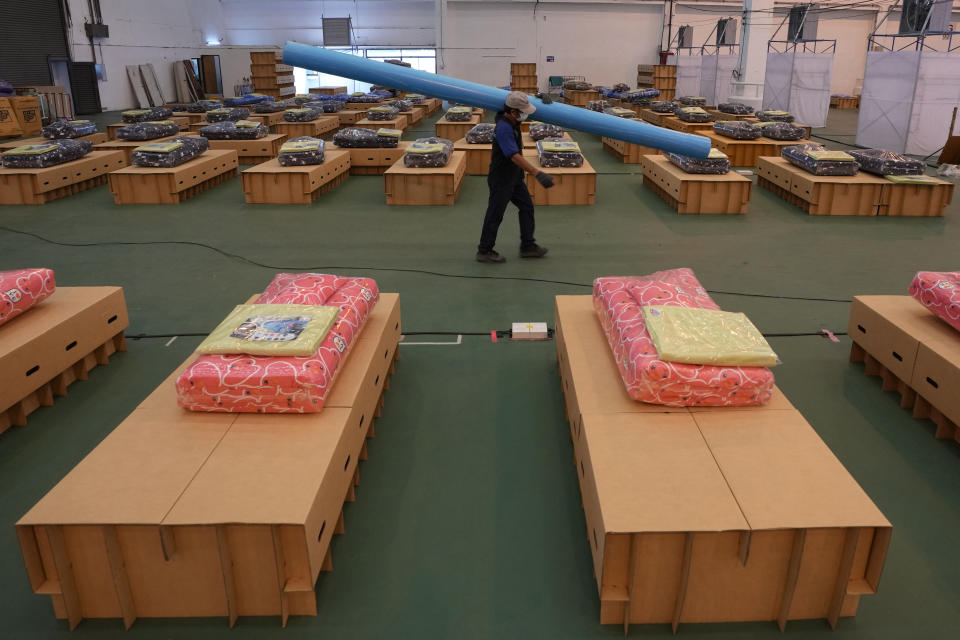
{"points": [[502, 333]]}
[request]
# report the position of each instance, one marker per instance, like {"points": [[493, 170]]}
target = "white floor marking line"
{"points": [[170, 341], [432, 344]]}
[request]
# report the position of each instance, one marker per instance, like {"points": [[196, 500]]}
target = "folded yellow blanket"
{"points": [[271, 330]]}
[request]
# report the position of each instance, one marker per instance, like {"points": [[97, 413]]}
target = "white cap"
{"points": [[518, 100]]}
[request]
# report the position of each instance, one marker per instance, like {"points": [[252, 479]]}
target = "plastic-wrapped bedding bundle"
{"points": [[543, 130], [46, 154], [240, 130], [300, 98], [693, 114], [427, 153], [577, 85], [618, 302], [415, 98], [598, 105], [270, 106], [887, 163], [773, 115], [383, 112], [638, 96], [938, 291], [735, 108], [555, 152], [402, 105], [622, 87], [692, 101], [459, 114], [22, 289], [816, 159], [202, 106], [284, 384], [364, 97], [250, 98], [781, 130], [300, 152], [169, 153], [716, 163], [663, 106], [620, 112], [227, 113], [353, 138], [148, 130], [388, 138], [63, 128], [302, 115], [332, 106], [736, 129], [481, 134], [145, 115]]}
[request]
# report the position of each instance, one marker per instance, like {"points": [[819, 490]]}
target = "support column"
{"points": [[759, 24]]}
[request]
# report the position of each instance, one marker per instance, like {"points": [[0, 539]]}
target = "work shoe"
{"points": [[533, 251], [490, 256]]}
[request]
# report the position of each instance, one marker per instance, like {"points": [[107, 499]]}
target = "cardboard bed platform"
{"points": [[319, 128], [530, 143], [857, 195], [190, 116], [127, 146], [350, 116], [413, 116], [434, 186], [271, 183], [455, 130], [39, 186], [400, 122], [696, 193], [580, 98], [183, 122], [269, 120], [162, 185], [709, 514], [675, 123], [253, 151], [745, 153], [720, 115], [6, 145], [576, 185], [180, 514], [433, 105], [372, 162], [653, 117], [54, 344], [627, 152], [478, 156], [329, 90], [914, 352]]}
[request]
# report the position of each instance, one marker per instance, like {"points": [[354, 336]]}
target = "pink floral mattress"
{"points": [[23, 288], [618, 303], [283, 384], [939, 291]]}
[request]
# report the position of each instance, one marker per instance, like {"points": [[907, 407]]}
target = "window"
{"points": [[421, 59]]}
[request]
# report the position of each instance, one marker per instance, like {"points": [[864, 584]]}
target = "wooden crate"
{"points": [[270, 183], [580, 98], [159, 185], [478, 156], [372, 162], [627, 152], [328, 91], [530, 143], [709, 514], [654, 118], [744, 153], [272, 82], [127, 146], [675, 123], [56, 343], [264, 57], [39, 186], [6, 145], [281, 93], [400, 122], [693, 193], [253, 151], [523, 80], [668, 94], [349, 117], [915, 199], [181, 121], [191, 117], [847, 103], [412, 186], [571, 185], [269, 120], [523, 68], [857, 195], [454, 130], [319, 128], [179, 514]]}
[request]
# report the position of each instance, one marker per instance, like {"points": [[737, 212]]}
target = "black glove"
{"points": [[545, 179], [545, 98]]}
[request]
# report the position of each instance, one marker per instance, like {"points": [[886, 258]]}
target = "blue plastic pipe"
{"points": [[478, 95]]}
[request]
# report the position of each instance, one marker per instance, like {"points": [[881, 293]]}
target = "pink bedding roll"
{"points": [[618, 303], [283, 384], [939, 291], [23, 288]]}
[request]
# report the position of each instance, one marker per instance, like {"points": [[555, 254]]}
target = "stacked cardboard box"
{"points": [[658, 76], [270, 76], [523, 77], [20, 116]]}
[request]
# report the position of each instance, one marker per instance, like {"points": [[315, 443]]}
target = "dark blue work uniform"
{"points": [[507, 184]]}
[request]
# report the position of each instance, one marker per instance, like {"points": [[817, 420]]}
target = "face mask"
{"points": [[521, 117]]}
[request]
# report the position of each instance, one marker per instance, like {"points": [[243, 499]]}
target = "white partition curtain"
{"points": [[716, 75], [799, 82], [908, 98], [725, 66], [688, 75], [708, 79]]}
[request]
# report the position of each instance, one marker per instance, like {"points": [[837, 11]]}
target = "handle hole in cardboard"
{"points": [[111, 319], [860, 327], [323, 527], [377, 381], [386, 353], [32, 370], [346, 464], [595, 543], [897, 356], [581, 469], [362, 418], [70, 346], [930, 381]]}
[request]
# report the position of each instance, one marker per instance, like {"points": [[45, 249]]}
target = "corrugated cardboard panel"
{"points": [[889, 329], [936, 375], [782, 474]]}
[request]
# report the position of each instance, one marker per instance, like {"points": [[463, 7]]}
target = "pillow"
{"points": [[23, 288]]}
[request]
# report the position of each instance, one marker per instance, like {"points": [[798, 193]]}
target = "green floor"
{"points": [[468, 522]]}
